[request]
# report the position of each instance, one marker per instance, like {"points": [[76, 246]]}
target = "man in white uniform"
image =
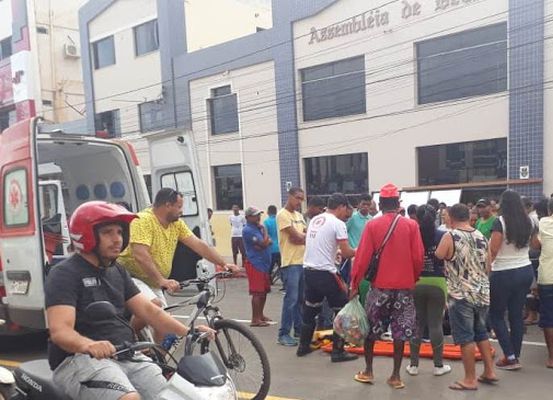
{"points": [[327, 233]]}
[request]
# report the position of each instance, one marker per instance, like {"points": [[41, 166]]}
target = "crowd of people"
{"points": [[407, 270], [478, 264]]}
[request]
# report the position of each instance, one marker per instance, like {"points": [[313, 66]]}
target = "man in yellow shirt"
{"points": [[291, 239], [153, 239]]}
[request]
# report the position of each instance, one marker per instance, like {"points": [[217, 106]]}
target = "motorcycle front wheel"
{"points": [[6, 392], [244, 356]]}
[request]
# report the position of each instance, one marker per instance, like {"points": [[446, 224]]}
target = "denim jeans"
{"points": [[292, 278], [508, 291]]}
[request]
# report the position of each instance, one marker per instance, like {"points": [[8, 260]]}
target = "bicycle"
{"points": [[252, 378]]}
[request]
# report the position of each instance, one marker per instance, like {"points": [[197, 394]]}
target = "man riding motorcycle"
{"points": [[81, 348]]}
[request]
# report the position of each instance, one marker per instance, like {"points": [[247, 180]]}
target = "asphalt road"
{"points": [[315, 378]]}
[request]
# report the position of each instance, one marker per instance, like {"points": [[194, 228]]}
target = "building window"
{"points": [[7, 118], [479, 161], [104, 52], [348, 174], [5, 48], [228, 186], [42, 29], [223, 110], [107, 124], [334, 90], [465, 64], [151, 116], [146, 38]]}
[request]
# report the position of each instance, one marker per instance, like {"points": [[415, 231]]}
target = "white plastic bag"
{"points": [[351, 322]]}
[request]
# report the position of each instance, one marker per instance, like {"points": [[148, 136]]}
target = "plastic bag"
{"points": [[351, 323]]}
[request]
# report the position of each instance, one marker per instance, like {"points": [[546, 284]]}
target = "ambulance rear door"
{"points": [[21, 244]]}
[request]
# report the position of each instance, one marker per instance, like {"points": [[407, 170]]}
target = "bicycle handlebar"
{"points": [[205, 279]]}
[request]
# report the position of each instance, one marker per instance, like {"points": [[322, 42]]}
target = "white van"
{"points": [[45, 175]]}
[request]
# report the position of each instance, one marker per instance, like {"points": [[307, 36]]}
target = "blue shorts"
{"points": [[468, 321], [545, 293]]}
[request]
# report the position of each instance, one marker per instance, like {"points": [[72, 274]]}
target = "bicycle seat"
{"points": [[36, 378]]}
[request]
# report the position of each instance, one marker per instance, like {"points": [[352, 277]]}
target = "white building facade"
{"points": [[347, 95]]}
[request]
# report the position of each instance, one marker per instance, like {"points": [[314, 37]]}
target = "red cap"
{"points": [[389, 190]]}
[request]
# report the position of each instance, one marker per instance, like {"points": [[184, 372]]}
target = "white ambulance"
{"points": [[45, 175]]}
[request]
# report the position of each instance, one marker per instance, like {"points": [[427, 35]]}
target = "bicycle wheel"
{"points": [[244, 357], [275, 274]]}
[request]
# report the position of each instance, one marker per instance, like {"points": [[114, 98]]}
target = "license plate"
{"points": [[19, 287]]}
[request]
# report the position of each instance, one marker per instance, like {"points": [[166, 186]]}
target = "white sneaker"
{"points": [[412, 370], [439, 371]]}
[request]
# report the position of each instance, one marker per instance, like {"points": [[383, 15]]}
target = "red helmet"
{"points": [[86, 218]]}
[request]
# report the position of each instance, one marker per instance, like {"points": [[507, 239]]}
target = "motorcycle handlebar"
{"points": [[137, 346]]}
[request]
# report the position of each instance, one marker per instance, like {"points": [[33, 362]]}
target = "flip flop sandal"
{"points": [[363, 378], [259, 324], [396, 385], [460, 386], [487, 381]]}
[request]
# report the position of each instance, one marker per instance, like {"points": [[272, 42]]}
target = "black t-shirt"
{"points": [[433, 266], [77, 283]]}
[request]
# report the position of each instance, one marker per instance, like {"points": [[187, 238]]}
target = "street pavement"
{"points": [[314, 377]]}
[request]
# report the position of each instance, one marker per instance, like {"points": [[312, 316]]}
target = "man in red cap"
{"points": [[390, 301]]}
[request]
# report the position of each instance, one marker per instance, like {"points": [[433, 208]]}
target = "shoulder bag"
{"points": [[372, 270]]}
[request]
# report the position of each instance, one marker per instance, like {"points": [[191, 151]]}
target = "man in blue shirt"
{"points": [[272, 231], [258, 264]]}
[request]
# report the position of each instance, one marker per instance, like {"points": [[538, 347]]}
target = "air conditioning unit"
{"points": [[71, 50]]}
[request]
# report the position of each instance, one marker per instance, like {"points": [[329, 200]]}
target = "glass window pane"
{"points": [[183, 182], [185, 185], [5, 48], [479, 161], [334, 89], [221, 91], [16, 203], [228, 186], [168, 181], [108, 121], [224, 114], [48, 201], [151, 116], [104, 52], [344, 173], [146, 38], [462, 65], [334, 97]]}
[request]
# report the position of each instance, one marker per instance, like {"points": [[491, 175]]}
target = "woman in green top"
{"points": [[430, 295]]}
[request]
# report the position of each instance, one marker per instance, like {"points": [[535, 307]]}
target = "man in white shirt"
{"points": [[327, 233], [237, 223]]}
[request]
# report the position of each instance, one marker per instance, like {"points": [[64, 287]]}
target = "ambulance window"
{"points": [[183, 182], [16, 205], [49, 201]]}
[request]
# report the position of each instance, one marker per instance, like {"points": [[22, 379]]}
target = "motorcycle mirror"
{"points": [[100, 310]]}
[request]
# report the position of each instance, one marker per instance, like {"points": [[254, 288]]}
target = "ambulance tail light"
{"points": [[132, 150]]}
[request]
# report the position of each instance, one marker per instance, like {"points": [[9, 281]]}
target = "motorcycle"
{"points": [[195, 377], [6, 378]]}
